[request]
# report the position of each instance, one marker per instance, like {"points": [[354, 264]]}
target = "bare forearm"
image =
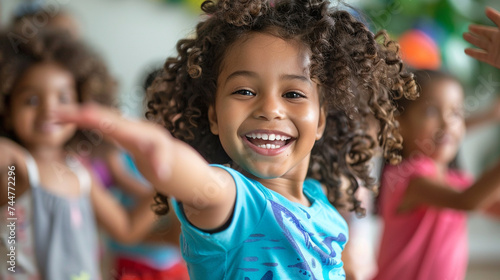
{"points": [[433, 192], [170, 165], [141, 221], [479, 120], [129, 227], [482, 192]]}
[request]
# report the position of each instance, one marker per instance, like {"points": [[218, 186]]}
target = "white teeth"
{"points": [[270, 137], [269, 146]]}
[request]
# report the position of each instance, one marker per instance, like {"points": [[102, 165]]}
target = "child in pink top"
{"points": [[427, 242], [423, 201]]}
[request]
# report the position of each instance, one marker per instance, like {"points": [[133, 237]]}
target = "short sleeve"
{"points": [[251, 201]]}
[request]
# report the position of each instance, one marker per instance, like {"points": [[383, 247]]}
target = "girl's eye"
{"points": [[244, 92], [32, 100], [293, 94]]}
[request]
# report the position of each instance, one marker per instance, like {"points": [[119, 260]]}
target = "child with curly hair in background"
{"points": [[266, 110], [54, 198], [424, 199]]}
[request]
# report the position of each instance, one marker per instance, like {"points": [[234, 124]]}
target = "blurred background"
{"points": [[135, 36], [430, 36]]}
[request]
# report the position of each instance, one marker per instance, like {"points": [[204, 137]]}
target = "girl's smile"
{"points": [[47, 126], [268, 142]]}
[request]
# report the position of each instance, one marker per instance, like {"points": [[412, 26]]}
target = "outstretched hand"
{"points": [[495, 110], [486, 39], [138, 137]]}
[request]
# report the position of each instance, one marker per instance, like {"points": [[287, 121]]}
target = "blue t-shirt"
{"points": [[269, 237]]}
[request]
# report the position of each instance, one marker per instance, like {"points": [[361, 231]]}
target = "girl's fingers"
{"points": [[478, 54], [494, 15], [89, 116], [145, 140], [107, 121], [479, 42], [483, 31]]}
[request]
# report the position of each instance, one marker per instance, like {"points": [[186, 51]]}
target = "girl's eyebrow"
{"points": [[255, 75], [241, 73], [296, 77]]}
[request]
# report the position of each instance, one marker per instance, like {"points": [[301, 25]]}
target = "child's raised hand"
{"points": [[138, 137], [495, 110], [167, 163], [486, 39]]}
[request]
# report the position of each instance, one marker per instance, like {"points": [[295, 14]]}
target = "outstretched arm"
{"points": [[434, 192], [125, 227], [489, 116], [493, 209], [123, 178], [172, 166], [486, 39]]}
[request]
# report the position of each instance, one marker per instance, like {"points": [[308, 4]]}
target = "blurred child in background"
{"points": [[158, 256], [423, 200], [58, 201]]}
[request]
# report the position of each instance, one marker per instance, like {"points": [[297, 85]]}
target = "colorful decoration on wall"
{"points": [[430, 31], [419, 50], [193, 5]]}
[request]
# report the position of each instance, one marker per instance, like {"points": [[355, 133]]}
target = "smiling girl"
{"points": [[279, 92]]}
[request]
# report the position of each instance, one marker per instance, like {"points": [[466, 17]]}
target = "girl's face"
{"points": [[43, 89], [433, 125], [267, 111]]}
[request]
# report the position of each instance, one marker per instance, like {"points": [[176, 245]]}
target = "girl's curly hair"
{"points": [[360, 75], [18, 53]]}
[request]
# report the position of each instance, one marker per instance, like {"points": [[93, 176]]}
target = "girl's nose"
{"points": [[269, 107], [447, 119], [48, 106]]}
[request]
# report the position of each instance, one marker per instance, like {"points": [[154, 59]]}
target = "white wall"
{"points": [[131, 36]]}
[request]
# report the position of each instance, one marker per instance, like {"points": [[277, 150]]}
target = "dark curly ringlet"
{"points": [[360, 75], [425, 78], [92, 79]]}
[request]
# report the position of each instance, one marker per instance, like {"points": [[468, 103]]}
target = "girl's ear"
{"points": [[321, 122], [212, 119]]}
